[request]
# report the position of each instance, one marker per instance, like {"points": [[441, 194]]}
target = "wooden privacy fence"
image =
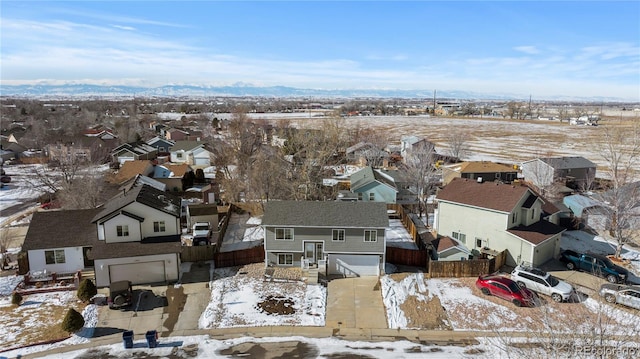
{"points": [[197, 253], [466, 268], [408, 257], [240, 257], [405, 219]]}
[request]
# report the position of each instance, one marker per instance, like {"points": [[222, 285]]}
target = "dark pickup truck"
{"points": [[594, 264]]}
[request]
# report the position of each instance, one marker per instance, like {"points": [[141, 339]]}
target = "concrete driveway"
{"points": [[165, 309], [355, 303], [585, 282]]}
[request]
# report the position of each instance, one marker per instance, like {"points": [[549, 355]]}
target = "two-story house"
{"points": [[575, 172], [138, 237], [193, 153], [346, 238], [488, 216], [133, 151]]}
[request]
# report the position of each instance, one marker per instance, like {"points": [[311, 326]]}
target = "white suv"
{"points": [[542, 282]]}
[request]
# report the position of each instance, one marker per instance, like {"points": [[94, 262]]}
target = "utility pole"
{"points": [[530, 114], [434, 102]]}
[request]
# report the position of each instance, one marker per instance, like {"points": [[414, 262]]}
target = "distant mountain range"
{"points": [[242, 90]]}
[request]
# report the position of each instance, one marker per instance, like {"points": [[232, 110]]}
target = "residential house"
{"points": [[175, 135], [58, 241], [489, 217], [485, 170], [138, 237], [161, 145], [131, 169], [171, 174], [10, 150], [573, 172], [413, 144], [193, 153], [365, 153], [133, 151], [343, 238], [83, 149], [377, 185]]}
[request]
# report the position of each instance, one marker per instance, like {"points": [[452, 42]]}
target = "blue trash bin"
{"points": [[127, 339], [152, 338]]}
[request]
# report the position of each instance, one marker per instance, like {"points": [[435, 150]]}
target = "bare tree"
{"points": [[420, 168], [620, 149], [458, 143]]}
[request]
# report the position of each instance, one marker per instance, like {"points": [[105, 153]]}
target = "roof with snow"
{"points": [[146, 195]]}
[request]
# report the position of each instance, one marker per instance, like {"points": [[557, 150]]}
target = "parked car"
{"points": [[201, 232], [507, 289], [120, 294], [628, 295], [594, 264], [542, 282]]}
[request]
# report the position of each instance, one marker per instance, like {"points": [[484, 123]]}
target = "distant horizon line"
{"points": [[241, 89]]}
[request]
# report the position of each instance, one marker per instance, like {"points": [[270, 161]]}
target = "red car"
{"points": [[507, 289]]}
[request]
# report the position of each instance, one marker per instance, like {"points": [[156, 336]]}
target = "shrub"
{"points": [[73, 321], [86, 290], [16, 298]]}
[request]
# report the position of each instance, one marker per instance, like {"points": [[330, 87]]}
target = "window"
{"points": [[372, 196], [285, 259], [478, 242], [54, 257], [370, 236], [284, 234], [122, 231], [338, 235], [179, 155], [514, 219], [359, 196], [159, 226], [459, 236]]}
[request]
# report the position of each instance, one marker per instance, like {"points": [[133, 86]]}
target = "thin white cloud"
{"points": [[113, 53], [531, 50], [121, 27]]}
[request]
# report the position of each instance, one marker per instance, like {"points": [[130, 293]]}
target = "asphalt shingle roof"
{"points": [[490, 195], [326, 214], [146, 195], [59, 229], [537, 232]]}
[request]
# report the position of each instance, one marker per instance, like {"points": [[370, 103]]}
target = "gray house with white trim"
{"points": [[344, 238]]}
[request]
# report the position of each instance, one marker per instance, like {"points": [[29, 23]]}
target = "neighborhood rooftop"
{"points": [[326, 214], [491, 195]]}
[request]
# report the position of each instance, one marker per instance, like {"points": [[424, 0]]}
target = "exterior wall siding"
{"points": [[382, 193], [137, 230], [473, 222], [74, 260], [353, 243]]}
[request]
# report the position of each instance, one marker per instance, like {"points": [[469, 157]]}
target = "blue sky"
{"points": [[542, 48]]}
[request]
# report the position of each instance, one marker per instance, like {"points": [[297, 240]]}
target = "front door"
{"points": [[87, 262], [313, 252]]}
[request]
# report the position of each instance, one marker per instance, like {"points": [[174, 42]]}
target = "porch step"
{"points": [[312, 276]]}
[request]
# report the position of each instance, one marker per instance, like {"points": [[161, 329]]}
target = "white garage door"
{"points": [[351, 265], [138, 273]]}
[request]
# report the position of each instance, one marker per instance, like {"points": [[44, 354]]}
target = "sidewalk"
{"points": [[432, 337]]}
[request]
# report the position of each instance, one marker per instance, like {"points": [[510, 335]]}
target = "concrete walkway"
{"points": [[355, 303]]}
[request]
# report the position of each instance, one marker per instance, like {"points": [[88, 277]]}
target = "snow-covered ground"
{"points": [[235, 298], [396, 235], [20, 190]]}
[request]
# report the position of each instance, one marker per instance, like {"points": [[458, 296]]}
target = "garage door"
{"points": [[138, 273], [354, 265]]}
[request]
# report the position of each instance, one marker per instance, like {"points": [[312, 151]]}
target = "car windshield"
{"points": [[553, 281], [607, 263], [515, 288]]}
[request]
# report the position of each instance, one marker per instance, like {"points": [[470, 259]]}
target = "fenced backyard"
{"points": [[466, 268], [408, 257]]}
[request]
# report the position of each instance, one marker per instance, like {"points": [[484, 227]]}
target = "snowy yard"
{"points": [[242, 297]]}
